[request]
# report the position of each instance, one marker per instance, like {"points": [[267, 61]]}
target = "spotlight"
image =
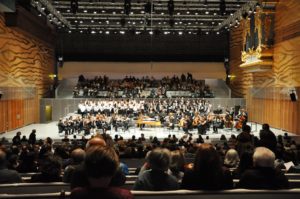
{"points": [[74, 6], [171, 7]]}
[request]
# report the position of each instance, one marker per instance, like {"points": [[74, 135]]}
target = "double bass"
{"points": [[240, 122]]}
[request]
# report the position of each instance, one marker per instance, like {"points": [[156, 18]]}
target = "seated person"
{"points": [[231, 159], [7, 175], [79, 177], [263, 175], [77, 157], [157, 178], [50, 169], [207, 172], [101, 164]]}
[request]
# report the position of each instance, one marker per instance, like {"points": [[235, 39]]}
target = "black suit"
{"points": [[263, 178]]}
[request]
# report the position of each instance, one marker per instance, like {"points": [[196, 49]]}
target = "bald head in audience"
{"points": [[263, 157], [96, 141], [78, 155]]}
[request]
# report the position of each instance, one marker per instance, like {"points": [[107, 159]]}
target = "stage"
{"points": [[51, 130]]}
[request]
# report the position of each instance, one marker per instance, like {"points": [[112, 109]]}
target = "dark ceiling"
{"points": [[139, 30]]}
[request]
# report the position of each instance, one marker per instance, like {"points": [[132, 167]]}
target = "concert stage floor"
{"points": [[51, 130]]}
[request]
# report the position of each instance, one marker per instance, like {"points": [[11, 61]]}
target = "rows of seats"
{"points": [[180, 194], [30, 188]]}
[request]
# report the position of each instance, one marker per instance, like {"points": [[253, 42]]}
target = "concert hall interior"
{"points": [[147, 78]]}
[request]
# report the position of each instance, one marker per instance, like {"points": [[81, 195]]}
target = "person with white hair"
{"points": [[231, 159], [263, 175]]}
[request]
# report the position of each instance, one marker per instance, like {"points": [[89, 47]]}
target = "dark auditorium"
{"points": [[149, 99]]}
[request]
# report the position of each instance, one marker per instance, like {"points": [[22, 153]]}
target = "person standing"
{"points": [[32, 137], [17, 139]]}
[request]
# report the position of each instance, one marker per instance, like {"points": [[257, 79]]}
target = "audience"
{"points": [[207, 173], [101, 164], [267, 138], [165, 161], [157, 178], [246, 162], [77, 157], [244, 141], [177, 165], [231, 159], [7, 175], [263, 175], [134, 87], [79, 177], [50, 169]]}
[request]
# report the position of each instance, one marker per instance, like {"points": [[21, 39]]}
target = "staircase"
{"points": [[219, 88], [65, 88]]}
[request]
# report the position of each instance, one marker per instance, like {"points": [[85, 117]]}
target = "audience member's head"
{"points": [[51, 166], [207, 159], [177, 161], [96, 141], [101, 162], [231, 159], [246, 162], [265, 127], [159, 159], [78, 155], [263, 157], [246, 129]]}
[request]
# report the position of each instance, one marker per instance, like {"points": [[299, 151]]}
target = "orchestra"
{"points": [[186, 114]]}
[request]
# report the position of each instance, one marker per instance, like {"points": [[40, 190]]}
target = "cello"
{"points": [[240, 122]]}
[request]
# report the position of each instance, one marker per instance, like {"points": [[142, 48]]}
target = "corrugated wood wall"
{"points": [[277, 110], [25, 63]]}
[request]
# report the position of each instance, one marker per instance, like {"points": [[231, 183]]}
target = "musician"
{"points": [[61, 126], [218, 122], [202, 126], [242, 119], [81, 108], [196, 119]]}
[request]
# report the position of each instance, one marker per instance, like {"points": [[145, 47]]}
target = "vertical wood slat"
{"points": [[25, 65], [272, 108], [17, 112]]}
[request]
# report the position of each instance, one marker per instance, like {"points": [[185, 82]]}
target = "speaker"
{"points": [[293, 97]]}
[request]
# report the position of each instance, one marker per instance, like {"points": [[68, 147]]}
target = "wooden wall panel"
{"points": [[3, 115], [24, 61], [275, 108], [25, 65]]}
